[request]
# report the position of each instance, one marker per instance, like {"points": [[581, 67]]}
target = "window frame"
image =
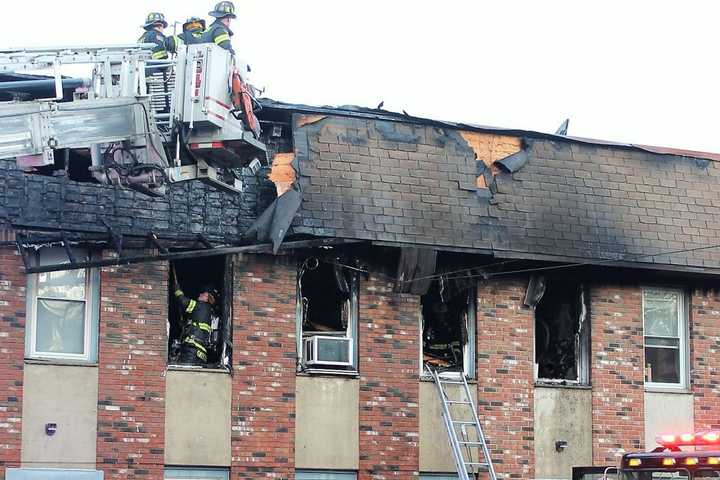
{"points": [[683, 339], [91, 318], [183, 473], [351, 331], [583, 353], [469, 356], [301, 473]]}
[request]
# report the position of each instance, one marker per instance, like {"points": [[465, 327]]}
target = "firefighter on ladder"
{"points": [[219, 31], [155, 25], [197, 328]]}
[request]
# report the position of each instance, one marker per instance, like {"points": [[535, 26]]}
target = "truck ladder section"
{"points": [[142, 123], [467, 441]]}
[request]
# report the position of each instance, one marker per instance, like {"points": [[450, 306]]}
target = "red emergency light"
{"points": [[711, 437]]}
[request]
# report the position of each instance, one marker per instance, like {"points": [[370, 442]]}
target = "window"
{"points": [[562, 330], [196, 474], [448, 326], [327, 305], [194, 275], [63, 309], [665, 330], [51, 474], [324, 475]]}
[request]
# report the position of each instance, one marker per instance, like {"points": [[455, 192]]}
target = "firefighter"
{"points": [[219, 31], [197, 328], [193, 29], [154, 26]]}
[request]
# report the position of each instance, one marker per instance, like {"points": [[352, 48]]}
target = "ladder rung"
{"points": [[463, 422], [470, 443], [451, 382], [476, 464], [459, 401]]}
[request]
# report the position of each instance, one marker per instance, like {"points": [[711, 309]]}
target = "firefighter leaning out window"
{"points": [[200, 322]]}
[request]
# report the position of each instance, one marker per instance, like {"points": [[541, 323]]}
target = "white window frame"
{"points": [[469, 360], [180, 473], [683, 333], [309, 474], [90, 328], [350, 332]]}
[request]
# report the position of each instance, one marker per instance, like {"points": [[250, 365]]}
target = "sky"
{"points": [[637, 71]]}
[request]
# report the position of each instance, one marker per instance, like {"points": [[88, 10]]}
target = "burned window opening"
{"points": [[561, 330], [327, 315], [189, 328], [448, 326], [71, 164]]}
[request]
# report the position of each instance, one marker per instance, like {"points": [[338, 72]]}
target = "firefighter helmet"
{"points": [[193, 20], [154, 18], [223, 9], [209, 288]]}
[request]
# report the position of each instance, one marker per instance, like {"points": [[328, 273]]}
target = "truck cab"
{"points": [[686, 456]]}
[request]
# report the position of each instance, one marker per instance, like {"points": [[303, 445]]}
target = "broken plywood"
{"points": [[490, 148], [283, 173], [304, 120]]}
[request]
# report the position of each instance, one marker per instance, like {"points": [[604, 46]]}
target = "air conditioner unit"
{"points": [[328, 351]]}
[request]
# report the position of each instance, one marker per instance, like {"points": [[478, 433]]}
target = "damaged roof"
{"points": [[380, 114], [392, 178]]}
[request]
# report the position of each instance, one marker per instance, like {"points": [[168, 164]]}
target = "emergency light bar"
{"points": [[689, 439]]}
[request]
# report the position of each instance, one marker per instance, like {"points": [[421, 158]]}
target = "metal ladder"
{"points": [[465, 433]]}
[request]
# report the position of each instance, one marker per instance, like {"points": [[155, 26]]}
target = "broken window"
{"points": [[448, 326], [327, 303], [665, 327], [211, 335], [562, 332], [63, 309]]}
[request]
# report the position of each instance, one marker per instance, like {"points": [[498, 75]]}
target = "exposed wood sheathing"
{"points": [[490, 148], [304, 120], [283, 173]]}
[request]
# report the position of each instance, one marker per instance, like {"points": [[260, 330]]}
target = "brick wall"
{"points": [[505, 376], [132, 357], [389, 392], [263, 392], [618, 393], [12, 348], [704, 348]]}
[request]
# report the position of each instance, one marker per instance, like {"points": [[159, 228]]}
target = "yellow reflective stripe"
{"points": [[178, 293], [191, 306], [159, 55], [192, 342], [203, 326], [223, 37]]}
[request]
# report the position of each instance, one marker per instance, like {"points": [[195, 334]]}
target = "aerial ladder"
{"points": [[142, 124]]}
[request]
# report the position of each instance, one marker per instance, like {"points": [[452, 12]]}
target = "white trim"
{"points": [[683, 335], [34, 282]]}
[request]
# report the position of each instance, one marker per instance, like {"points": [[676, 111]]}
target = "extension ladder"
{"points": [[465, 433]]}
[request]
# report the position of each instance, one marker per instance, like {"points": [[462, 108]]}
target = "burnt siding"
{"points": [[608, 203], [379, 180], [188, 208]]}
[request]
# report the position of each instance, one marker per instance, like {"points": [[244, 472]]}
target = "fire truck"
{"points": [[684, 456]]}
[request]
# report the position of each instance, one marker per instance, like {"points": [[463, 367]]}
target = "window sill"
{"points": [[195, 368], [570, 386], [320, 372], [659, 389], [59, 362], [428, 378]]}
